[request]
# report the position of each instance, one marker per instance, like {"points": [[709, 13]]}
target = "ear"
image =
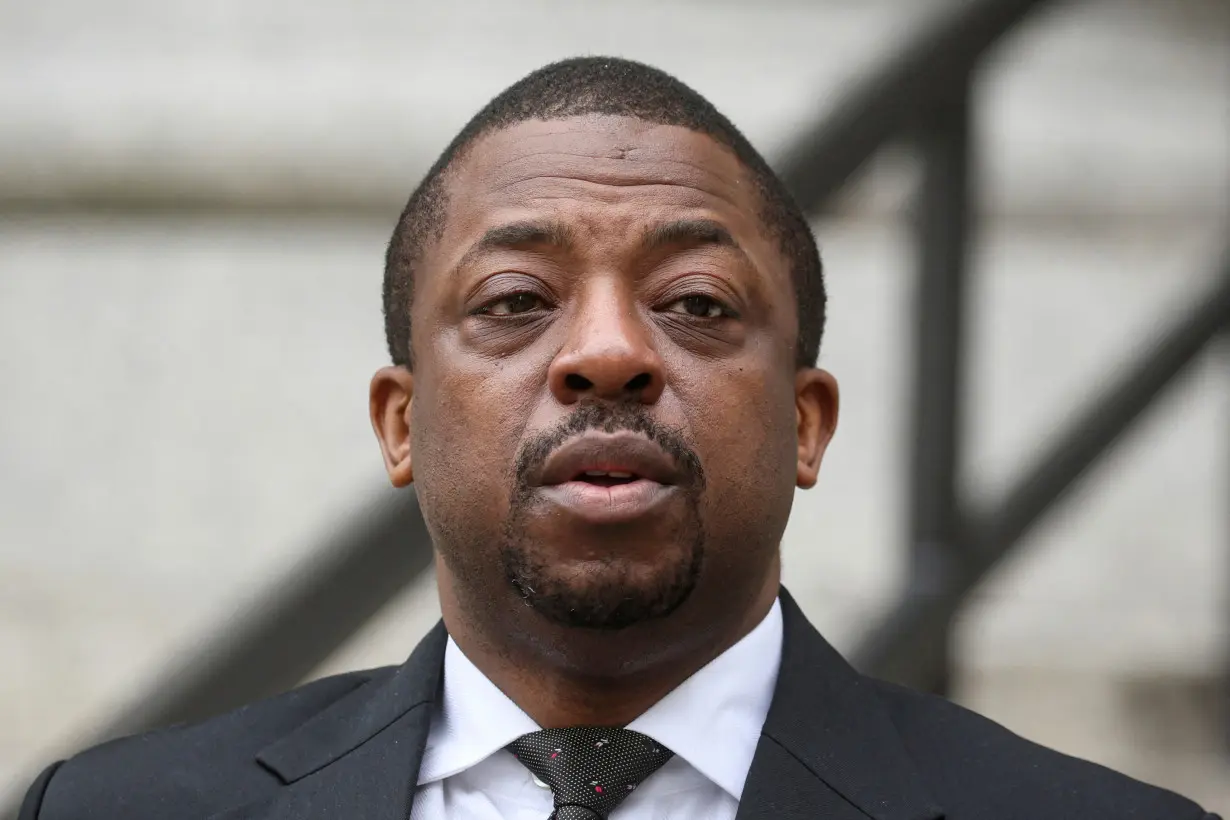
{"points": [[816, 402], [391, 392]]}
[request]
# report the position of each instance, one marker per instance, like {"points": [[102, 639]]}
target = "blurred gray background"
{"points": [[194, 200]]}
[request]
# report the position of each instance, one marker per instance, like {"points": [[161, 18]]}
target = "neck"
{"points": [[558, 688]]}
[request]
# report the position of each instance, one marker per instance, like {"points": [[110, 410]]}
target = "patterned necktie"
{"points": [[590, 770]]}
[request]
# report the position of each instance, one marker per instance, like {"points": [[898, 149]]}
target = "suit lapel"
{"points": [[781, 787], [828, 748], [360, 757]]}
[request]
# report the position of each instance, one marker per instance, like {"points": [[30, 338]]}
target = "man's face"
{"points": [[605, 419]]}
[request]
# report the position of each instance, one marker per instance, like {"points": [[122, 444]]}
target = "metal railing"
{"points": [[922, 96]]}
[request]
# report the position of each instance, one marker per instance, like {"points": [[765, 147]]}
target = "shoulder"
{"points": [[198, 769], [977, 768]]}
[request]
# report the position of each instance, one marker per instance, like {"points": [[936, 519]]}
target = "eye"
{"points": [[512, 305], [702, 307]]}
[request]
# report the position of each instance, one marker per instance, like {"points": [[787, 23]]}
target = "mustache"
{"points": [[608, 418]]}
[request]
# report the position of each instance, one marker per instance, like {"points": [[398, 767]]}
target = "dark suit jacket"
{"points": [[835, 746]]}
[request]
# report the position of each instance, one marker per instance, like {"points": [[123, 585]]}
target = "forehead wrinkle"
{"points": [[524, 191], [627, 156], [605, 170]]}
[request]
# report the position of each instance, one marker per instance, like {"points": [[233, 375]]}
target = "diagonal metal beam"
{"points": [[293, 626], [296, 623]]}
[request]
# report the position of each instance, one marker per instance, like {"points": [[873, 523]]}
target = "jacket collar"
{"points": [[358, 757], [828, 748]]}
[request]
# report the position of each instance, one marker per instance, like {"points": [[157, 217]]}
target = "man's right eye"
{"points": [[512, 305]]}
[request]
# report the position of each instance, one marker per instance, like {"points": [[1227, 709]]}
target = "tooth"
{"points": [[596, 472], [620, 475]]}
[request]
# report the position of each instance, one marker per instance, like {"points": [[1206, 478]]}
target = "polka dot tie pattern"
{"points": [[590, 770]]}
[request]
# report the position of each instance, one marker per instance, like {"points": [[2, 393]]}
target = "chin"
{"points": [[604, 594]]}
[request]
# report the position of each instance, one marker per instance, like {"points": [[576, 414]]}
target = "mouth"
{"points": [[608, 478], [623, 502]]}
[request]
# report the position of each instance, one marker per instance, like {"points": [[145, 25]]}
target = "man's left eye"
{"points": [[702, 307]]}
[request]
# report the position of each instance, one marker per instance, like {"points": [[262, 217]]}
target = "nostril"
{"points": [[575, 381], [639, 382]]}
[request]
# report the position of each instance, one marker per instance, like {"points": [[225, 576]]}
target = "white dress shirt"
{"points": [[711, 721]]}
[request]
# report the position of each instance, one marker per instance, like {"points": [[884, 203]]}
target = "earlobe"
{"points": [[392, 389], [816, 404]]}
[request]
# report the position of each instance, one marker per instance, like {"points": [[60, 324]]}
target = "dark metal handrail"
{"points": [[922, 95], [886, 104], [908, 644]]}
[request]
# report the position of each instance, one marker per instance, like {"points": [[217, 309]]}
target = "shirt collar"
{"points": [[474, 720], [712, 720]]}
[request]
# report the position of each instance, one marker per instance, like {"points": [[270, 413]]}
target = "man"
{"points": [[604, 314]]}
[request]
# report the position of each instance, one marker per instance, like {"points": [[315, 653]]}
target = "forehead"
{"points": [[604, 173], [603, 150]]}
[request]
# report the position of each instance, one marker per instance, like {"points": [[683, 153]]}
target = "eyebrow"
{"points": [[519, 234], [687, 232], [691, 232]]}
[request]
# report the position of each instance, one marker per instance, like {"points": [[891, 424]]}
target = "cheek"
{"points": [[749, 448], [464, 445]]}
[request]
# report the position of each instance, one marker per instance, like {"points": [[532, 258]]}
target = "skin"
{"points": [[512, 339]]}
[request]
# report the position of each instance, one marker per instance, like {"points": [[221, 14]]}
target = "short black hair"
{"points": [[610, 86]]}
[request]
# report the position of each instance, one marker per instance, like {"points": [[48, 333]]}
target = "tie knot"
{"points": [[589, 768]]}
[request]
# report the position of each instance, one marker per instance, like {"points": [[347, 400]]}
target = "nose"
{"points": [[609, 354]]}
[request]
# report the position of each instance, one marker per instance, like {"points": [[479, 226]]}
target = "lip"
{"points": [[618, 504], [609, 452], [654, 483]]}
